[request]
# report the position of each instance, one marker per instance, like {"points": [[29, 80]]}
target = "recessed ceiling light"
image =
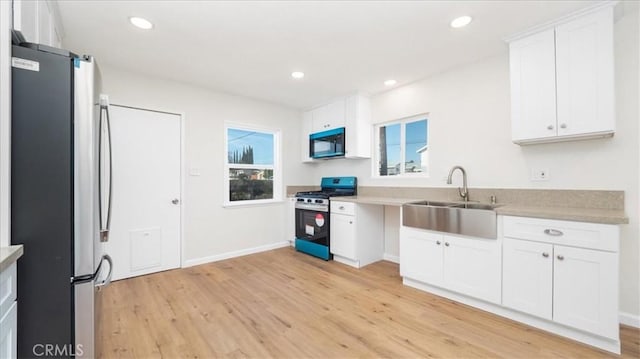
{"points": [[461, 21], [297, 74], [141, 23], [390, 82]]}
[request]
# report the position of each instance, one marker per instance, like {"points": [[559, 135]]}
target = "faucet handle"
{"points": [[493, 199]]}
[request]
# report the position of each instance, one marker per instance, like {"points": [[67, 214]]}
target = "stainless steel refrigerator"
{"points": [[60, 200]]}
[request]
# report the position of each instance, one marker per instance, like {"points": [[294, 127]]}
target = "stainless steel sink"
{"points": [[469, 219]]}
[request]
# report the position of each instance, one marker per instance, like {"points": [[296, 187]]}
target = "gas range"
{"points": [[330, 187], [312, 216]]}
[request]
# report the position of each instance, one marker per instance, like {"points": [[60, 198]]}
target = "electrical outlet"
{"points": [[540, 174]]}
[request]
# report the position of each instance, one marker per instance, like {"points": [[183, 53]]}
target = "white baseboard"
{"points": [[233, 254], [391, 258], [629, 319]]}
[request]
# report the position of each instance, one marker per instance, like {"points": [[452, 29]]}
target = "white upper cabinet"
{"points": [[351, 112], [584, 63], [38, 21], [562, 80], [306, 131], [358, 127], [533, 86], [329, 116]]}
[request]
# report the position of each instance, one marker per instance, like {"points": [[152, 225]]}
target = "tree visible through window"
{"points": [[403, 147], [251, 165]]}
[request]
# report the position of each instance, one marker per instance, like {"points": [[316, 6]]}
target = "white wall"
{"points": [[210, 229], [5, 120], [470, 126]]}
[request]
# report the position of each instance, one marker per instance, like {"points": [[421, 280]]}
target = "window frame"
{"points": [[375, 164], [276, 167]]}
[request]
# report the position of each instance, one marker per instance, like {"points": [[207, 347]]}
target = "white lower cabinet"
{"points": [[566, 272], [8, 329], [343, 235], [466, 265], [472, 266], [356, 233], [527, 279], [585, 287], [8, 312], [421, 255], [560, 276]]}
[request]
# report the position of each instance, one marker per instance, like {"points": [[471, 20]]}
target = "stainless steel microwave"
{"points": [[327, 144]]}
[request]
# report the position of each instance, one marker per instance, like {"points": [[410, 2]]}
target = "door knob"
{"points": [[175, 201]]}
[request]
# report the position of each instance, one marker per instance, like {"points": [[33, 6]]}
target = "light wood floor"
{"points": [[285, 304]]}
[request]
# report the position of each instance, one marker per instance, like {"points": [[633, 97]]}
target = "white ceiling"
{"points": [[250, 48]]}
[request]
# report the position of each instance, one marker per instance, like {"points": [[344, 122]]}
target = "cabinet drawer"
{"points": [[575, 234], [7, 288], [343, 208]]}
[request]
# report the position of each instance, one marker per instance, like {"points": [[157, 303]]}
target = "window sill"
{"points": [[258, 203]]}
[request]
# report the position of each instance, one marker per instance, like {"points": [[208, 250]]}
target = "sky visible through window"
{"points": [[262, 144], [416, 138]]}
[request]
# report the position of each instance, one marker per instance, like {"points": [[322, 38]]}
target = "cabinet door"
{"points": [[533, 87], [585, 290], [44, 23], [527, 277], [307, 128], [584, 51], [25, 19], [472, 266], [329, 116], [319, 117], [421, 255], [291, 221], [336, 112], [8, 329], [358, 127], [343, 236]]}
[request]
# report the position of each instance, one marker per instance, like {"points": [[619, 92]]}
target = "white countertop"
{"points": [[8, 255], [592, 215]]}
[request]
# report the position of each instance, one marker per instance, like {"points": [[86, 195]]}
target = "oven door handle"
{"points": [[312, 207]]}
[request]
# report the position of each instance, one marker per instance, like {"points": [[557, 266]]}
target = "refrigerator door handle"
{"points": [[107, 280], [105, 227]]}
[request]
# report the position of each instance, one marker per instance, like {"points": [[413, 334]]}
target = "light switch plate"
{"points": [[194, 172]]}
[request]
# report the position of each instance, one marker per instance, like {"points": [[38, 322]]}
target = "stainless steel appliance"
{"points": [[327, 144], [313, 216], [60, 199]]}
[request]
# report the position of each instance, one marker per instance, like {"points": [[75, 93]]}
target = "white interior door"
{"points": [[145, 227]]}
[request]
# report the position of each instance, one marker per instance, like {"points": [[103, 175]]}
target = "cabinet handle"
{"points": [[553, 232], [564, 125], [550, 127], [350, 222], [341, 208], [545, 254], [560, 257], [438, 242], [446, 244]]}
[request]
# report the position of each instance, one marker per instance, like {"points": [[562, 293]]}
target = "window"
{"points": [[402, 147], [252, 166]]}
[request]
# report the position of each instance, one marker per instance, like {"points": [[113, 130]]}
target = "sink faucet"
{"points": [[464, 191]]}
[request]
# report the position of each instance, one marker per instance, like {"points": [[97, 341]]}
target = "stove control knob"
{"points": [[308, 201], [300, 200], [318, 201]]}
